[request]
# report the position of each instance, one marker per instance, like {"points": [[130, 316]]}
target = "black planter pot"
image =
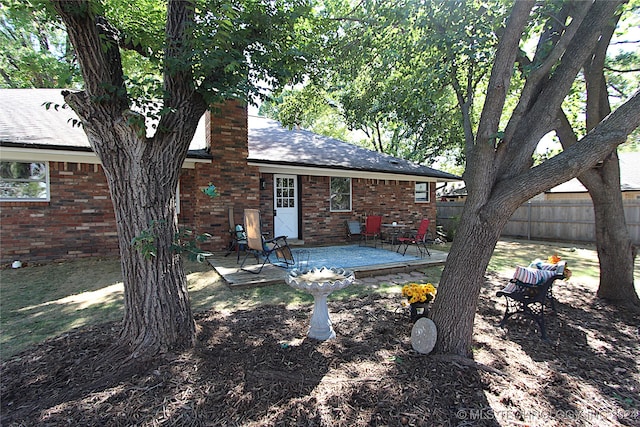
{"points": [[418, 310]]}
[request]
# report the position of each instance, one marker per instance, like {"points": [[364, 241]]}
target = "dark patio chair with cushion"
{"points": [[354, 229], [238, 237], [265, 248], [372, 229], [419, 238]]}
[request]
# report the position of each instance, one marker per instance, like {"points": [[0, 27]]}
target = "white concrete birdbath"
{"points": [[320, 283]]}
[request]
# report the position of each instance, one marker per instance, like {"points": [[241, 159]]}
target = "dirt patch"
{"points": [[256, 368]]}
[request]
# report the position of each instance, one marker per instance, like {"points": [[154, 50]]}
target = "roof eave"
{"points": [[318, 170], [74, 154]]}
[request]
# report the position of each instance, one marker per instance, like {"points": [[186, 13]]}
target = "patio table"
{"points": [[392, 231]]}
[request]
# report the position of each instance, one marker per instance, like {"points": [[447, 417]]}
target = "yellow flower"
{"points": [[416, 292]]}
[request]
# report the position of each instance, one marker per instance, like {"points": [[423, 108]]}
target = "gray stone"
{"points": [[423, 335]]}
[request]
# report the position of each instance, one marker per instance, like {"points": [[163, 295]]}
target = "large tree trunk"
{"points": [[454, 308], [142, 173], [157, 313], [142, 179], [616, 252]]}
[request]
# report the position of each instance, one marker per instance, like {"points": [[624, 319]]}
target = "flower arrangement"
{"points": [[419, 292], [211, 191]]}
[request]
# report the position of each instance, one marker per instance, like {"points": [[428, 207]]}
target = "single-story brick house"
{"points": [[55, 203]]}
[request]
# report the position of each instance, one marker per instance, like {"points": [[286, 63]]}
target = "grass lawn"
{"points": [[40, 302]]}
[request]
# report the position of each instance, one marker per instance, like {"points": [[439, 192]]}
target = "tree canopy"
{"points": [[411, 76], [398, 71], [35, 50]]}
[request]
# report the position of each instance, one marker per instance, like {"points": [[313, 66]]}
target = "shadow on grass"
{"points": [[47, 300]]}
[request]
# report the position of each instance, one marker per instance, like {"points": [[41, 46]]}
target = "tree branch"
{"points": [[617, 70], [626, 42], [539, 119], [99, 57], [502, 69], [597, 96], [464, 103], [621, 93], [576, 159], [180, 94], [543, 63], [480, 153], [178, 75], [568, 138], [140, 49], [7, 77]]}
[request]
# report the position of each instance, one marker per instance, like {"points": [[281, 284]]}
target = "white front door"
{"points": [[285, 198]]}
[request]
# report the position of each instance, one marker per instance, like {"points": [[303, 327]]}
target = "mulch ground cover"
{"points": [[257, 368]]}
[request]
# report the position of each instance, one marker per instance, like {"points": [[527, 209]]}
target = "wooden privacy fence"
{"points": [[561, 220]]}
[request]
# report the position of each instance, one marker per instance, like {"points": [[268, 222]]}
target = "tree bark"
{"points": [[454, 308], [616, 252], [157, 312], [142, 174]]}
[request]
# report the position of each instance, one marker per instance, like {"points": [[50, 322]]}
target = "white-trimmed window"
{"points": [[24, 181], [422, 192], [340, 200]]}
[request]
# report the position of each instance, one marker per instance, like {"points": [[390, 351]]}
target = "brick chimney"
{"points": [[237, 183]]}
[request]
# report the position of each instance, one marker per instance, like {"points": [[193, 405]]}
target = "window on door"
{"points": [[340, 199], [285, 192]]}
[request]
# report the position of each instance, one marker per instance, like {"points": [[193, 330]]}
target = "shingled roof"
{"points": [[270, 143], [25, 122]]}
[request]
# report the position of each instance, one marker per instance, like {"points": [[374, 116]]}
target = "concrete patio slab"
{"points": [[229, 268]]}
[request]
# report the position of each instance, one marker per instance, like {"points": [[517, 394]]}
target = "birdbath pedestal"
{"points": [[320, 283]]}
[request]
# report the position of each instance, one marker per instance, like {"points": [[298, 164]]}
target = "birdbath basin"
{"points": [[320, 282]]}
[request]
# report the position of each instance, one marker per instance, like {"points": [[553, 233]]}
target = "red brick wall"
{"points": [[237, 183], [77, 222], [394, 200]]}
